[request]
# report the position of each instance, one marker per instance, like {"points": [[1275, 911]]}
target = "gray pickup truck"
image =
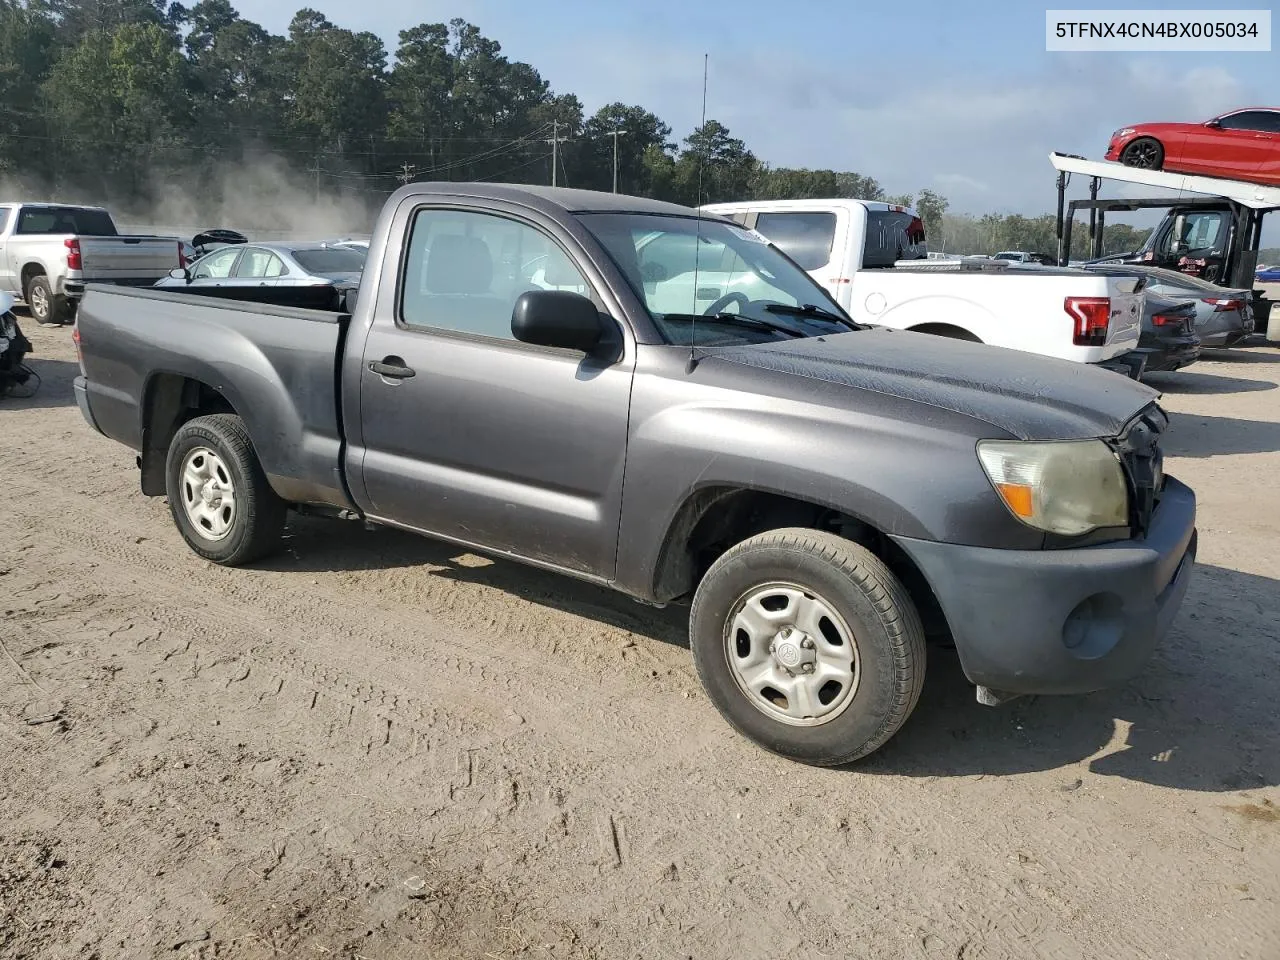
{"points": [[827, 495], [49, 252]]}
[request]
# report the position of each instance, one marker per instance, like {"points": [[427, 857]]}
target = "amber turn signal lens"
{"points": [[1018, 498]]}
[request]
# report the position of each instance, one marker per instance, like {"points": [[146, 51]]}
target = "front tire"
{"points": [[218, 494], [808, 645], [1146, 153]]}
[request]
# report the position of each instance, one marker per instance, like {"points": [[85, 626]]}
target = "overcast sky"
{"points": [[960, 97]]}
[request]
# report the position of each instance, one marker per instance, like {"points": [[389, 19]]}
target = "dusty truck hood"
{"points": [[1029, 396]]}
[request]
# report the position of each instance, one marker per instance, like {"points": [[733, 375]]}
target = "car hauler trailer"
{"points": [[1224, 218]]}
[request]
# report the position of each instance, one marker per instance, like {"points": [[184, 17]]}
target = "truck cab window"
{"points": [[466, 270], [1201, 232], [893, 235], [806, 238]]}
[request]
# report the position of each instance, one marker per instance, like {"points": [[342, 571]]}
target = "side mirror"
{"points": [[1213, 123], [180, 273], [556, 318]]}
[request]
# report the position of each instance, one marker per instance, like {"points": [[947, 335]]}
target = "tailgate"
{"points": [[1126, 314], [122, 259]]}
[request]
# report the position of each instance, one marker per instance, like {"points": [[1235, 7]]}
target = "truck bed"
{"points": [[277, 365]]}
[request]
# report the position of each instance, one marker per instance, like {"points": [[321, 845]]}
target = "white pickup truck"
{"points": [[871, 258], [49, 251]]}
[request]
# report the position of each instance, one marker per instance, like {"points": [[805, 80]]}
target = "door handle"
{"points": [[391, 367]]}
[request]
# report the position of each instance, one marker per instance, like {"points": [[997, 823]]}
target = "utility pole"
{"points": [[405, 176], [315, 168], [555, 142], [616, 134]]}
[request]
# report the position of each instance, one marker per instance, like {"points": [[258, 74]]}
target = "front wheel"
{"points": [[808, 645], [1144, 153], [218, 494]]}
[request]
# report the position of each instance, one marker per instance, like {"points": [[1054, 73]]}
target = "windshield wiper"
{"points": [[736, 319], [812, 310]]}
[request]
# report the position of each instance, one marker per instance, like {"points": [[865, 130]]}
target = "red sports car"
{"points": [[1240, 145]]}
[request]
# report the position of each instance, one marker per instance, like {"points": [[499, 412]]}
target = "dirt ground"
{"points": [[374, 746]]}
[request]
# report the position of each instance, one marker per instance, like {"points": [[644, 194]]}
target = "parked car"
{"points": [[271, 264], [352, 244], [49, 251], [1022, 256], [1168, 339], [821, 490], [1223, 316], [1239, 145], [208, 241], [871, 258]]}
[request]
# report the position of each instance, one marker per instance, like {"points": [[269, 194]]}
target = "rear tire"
{"points": [[1145, 153], [218, 494], [45, 307], [843, 669]]}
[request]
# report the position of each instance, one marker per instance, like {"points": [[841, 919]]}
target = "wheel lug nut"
{"points": [[807, 643]]}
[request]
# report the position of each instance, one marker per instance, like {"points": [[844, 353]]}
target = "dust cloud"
{"points": [[262, 196]]}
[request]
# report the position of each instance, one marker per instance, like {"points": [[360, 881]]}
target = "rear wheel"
{"points": [[41, 301], [1145, 152], [808, 645], [218, 494]]}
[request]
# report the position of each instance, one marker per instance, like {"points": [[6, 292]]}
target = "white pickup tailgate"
{"points": [[1126, 315]]}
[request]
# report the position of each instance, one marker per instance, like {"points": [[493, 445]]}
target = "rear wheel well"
{"points": [[946, 330], [712, 521], [29, 273], [171, 401]]}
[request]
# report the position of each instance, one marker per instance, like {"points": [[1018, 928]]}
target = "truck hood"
{"points": [[1028, 396]]}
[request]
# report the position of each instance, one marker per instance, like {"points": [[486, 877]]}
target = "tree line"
{"points": [[112, 100]]}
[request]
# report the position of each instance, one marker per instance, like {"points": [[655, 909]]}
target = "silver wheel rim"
{"points": [[791, 654], [39, 302], [207, 493]]}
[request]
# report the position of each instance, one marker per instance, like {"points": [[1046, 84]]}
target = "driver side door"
{"points": [[469, 434], [1200, 249], [216, 269]]}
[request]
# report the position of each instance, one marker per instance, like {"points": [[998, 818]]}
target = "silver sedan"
{"points": [[1224, 315], [276, 264]]}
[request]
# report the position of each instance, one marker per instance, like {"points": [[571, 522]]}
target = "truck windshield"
{"points": [[83, 221], [684, 270]]}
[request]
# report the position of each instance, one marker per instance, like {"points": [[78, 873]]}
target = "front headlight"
{"points": [[1069, 487], [1122, 132]]}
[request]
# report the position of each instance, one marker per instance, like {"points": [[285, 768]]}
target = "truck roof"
{"points": [[811, 203], [50, 203], [548, 199]]}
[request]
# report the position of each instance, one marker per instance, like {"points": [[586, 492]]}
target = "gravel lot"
{"points": [[374, 746]]}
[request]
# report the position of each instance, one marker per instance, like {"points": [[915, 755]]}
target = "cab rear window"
{"points": [[806, 238], [893, 235], [78, 220]]}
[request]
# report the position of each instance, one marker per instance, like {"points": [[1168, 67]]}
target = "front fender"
{"points": [[901, 468]]}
